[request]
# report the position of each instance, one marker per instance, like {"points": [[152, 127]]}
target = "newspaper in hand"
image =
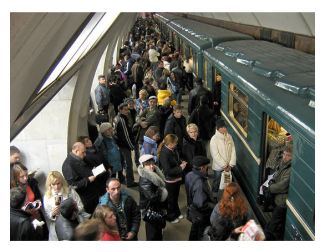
{"points": [[98, 170]]}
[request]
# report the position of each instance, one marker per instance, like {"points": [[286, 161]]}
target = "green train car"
{"points": [[265, 81], [191, 37]]}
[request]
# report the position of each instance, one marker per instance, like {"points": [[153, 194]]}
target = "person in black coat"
{"points": [[192, 146], [79, 175], [216, 91], [199, 197], [172, 167], [204, 118], [152, 189], [95, 158], [176, 124], [21, 228], [196, 93], [117, 94]]}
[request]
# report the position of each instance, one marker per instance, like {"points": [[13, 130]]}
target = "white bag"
{"points": [[226, 178]]}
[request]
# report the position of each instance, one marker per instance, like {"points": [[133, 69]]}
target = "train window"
{"points": [[205, 71], [170, 36], [196, 58], [184, 50], [238, 108], [176, 42], [190, 53]]}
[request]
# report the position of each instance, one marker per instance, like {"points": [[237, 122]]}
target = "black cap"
{"points": [[220, 124], [199, 161], [198, 80], [101, 76]]}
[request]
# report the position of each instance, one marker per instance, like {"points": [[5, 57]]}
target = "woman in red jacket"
{"points": [[105, 215]]}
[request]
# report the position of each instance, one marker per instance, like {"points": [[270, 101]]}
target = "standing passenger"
{"points": [[172, 167], [102, 95], [152, 191], [222, 149]]}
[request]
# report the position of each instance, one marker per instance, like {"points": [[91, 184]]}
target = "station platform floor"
{"points": [[179, 231]]}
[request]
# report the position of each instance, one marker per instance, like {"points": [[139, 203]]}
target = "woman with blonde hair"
{"points": [[275, 141], [142, 102], [172, 166], [20, 178], [57, 190], [192, 146], [105, 216], [233, 207]]}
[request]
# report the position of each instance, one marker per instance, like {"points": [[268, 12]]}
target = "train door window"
{"points": [[190, 53], [238, 108], [184, 49], [170, 36], [275, 138], [176, 42], [205, 71], [196, 64]]}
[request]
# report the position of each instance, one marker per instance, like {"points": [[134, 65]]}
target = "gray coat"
{"points": [[102, 96]]}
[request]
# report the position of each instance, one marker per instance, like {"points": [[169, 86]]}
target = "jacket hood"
{"points": [[149, 140], [156, 176]]}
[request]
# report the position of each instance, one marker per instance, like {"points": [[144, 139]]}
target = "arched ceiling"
{"points": [[296, 22]]}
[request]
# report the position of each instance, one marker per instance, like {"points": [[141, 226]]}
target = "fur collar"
{"points": [[156, 176]]}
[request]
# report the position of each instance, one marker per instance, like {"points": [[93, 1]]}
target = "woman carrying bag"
{"points": [[153, 193]]}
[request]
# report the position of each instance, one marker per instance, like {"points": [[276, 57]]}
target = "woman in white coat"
{"points": [[57, 190], [223, 152]]}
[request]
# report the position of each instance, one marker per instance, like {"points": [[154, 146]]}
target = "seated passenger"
{"points": [[57, 190]]}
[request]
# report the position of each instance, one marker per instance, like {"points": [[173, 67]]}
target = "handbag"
{"points": [[101, 118], [173, 87], [226, 178], [154, 215]]}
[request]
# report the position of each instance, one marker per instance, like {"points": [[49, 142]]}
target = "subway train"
{"points": [[267, 81]]}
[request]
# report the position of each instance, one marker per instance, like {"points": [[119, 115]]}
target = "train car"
{"points": [[264, 80], [191, 37], [163, 19]]}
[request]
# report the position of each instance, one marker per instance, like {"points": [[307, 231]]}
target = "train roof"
{"points": [[280, 77], [166, 17], [202, 35]]}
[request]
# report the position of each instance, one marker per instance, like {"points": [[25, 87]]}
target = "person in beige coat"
{"points": [[223, 153]]}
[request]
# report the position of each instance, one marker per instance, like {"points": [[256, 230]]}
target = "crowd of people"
{"points": [[145, 87]]}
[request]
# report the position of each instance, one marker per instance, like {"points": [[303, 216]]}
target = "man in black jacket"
{"points": [[199, 197], [79, 176], [21, 228], [181, 78], [66, 222], [196, 93], [126, 210], [125, 141]]}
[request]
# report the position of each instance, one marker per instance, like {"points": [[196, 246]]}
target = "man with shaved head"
{"points": [[79, 176]]}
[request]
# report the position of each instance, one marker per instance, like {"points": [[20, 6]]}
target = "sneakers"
{"points": [[180, 217], [175, 221]]}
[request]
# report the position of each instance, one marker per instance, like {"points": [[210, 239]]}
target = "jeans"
{"points": [[179, 92], [129, 165]]}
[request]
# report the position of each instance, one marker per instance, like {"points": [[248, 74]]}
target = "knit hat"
{"points": [[145, 158], [104, 126], [199, 161], [152, 97], [128, 100], [220, 124]]}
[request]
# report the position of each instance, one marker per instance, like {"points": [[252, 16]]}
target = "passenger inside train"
{"points": [[210, 215]]}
